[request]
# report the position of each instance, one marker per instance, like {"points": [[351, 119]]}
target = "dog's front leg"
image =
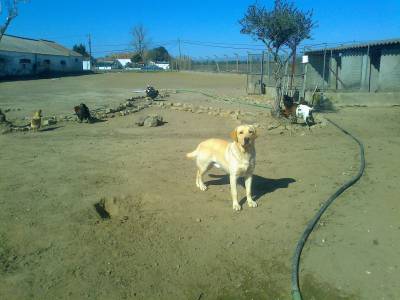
{"points": [[247, 182], [233, 181]]}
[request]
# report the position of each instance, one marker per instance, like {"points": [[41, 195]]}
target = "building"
{"points": [[105, 65], [124, 62], [26, 57], [161, 64], [86, 65], [369, 67]]}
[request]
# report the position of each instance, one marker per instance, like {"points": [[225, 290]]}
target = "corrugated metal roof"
{"points": [[358, 45], [26, 45]]}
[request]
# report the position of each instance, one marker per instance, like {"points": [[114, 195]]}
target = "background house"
{"points": [[24, 56], [371, 67], [161, 64], [124, 61]]}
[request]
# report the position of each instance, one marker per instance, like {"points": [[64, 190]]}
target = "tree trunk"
{"points": [[276, 107]]}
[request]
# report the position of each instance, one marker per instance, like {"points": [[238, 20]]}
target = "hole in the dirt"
{"points": [[100, 209]]}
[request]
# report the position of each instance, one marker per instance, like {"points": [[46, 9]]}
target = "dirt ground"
{"points": [[168, 240]]}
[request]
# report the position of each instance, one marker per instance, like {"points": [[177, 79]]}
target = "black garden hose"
{"points": [[296, 293]]}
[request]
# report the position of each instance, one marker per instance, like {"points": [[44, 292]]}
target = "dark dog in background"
{"points": [[83, 113]]}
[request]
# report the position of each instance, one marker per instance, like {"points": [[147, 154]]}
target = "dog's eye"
{"points": [[241, 132], [251, 131]]}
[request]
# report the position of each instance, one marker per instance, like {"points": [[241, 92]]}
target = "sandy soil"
{"points": [[168, 240]]}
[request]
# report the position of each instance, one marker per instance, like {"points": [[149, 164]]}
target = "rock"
{"points": [[153, 121], [109, 110], [150, 121], [198, 220], [49, 122], [177, 104], [140, 121]]}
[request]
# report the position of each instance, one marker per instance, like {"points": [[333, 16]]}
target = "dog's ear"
{"points": [[234, 135]]}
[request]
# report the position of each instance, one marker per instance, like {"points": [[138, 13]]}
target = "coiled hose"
{"points": [[296, 293]]}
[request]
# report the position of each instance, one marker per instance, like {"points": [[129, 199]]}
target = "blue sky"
{"points": [[109, 23]]}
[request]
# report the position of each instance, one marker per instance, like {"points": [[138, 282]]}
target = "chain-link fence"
{"points": [[228, 64], [261, 70]]}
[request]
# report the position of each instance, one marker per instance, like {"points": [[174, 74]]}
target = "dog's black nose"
{"points": [[246, 140]]}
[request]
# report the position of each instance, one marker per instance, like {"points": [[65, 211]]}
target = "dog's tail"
{"points": [[192, 154]]}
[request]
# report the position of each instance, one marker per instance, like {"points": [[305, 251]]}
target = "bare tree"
{"points": [[282, 27], [11, 10], [140, 39]]}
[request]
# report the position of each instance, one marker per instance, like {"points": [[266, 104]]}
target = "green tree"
{"points": [[137, 58], [81, 49], [284, 26], [158, 54]]}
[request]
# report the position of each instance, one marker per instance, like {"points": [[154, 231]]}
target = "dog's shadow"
{"points": [[260, 186]]}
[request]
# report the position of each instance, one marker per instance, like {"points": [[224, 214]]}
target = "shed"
{"points": [[369, 66]]}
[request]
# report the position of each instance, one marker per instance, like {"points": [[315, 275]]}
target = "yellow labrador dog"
{"points": [[237, 158]]}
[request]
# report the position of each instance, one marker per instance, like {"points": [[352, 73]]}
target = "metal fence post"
{"points": [[262, 74], [323, 70]]}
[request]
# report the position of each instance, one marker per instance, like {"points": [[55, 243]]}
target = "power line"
{"points": [[223, 43]]}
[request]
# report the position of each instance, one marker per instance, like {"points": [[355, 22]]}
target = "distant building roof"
{"points": [[27, 45], [358, 45]]}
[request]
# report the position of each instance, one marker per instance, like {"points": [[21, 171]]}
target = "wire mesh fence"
{"points": [[262, 69], [234, 64]]}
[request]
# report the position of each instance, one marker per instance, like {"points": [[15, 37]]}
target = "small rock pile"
{"points": [[150, 121], [213, 111]]}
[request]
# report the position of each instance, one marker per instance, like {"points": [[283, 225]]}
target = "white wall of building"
{"points": [[19, 64], [86, 65]]}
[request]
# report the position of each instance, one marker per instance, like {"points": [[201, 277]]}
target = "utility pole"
{"points": [[180, 54], [90, 50], [227, 60]]}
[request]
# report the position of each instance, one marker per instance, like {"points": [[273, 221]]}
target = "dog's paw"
{"points": [[236, 207], [252, 203], [202, 187]]}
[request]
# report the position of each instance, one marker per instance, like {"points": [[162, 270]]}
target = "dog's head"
{"points": [[244, 135]]}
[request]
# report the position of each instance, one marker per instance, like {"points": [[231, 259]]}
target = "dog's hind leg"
{"points": [[202, 168]]}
